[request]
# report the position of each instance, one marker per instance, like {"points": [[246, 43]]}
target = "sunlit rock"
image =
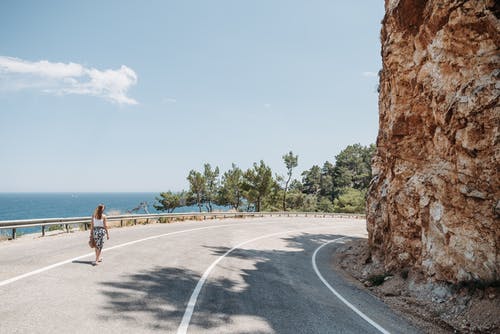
{"points": [[434, 201]]}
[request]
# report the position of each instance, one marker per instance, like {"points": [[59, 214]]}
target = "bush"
{"points": [[376, 280], [325, 205], [309, 204], [164, 220], [350, 201], [297, 201], [55, 227]]}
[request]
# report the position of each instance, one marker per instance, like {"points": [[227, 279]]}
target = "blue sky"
{"points": [[131, 95]]}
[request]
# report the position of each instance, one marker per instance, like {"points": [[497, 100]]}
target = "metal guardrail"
{"points": [[44, 222]]}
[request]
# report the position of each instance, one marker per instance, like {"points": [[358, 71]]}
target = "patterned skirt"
{"points": [[99, 233]]}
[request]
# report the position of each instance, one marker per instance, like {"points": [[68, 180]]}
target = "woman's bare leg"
{"points": [[97, 254]]}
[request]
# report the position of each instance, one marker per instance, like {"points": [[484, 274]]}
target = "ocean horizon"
{"points": [[35, 205]]}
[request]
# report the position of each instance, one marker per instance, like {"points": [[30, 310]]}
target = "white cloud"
{"points": [[369, 74], [42, 68], [71, 78]]}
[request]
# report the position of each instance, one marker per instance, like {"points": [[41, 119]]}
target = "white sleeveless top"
{"points": [[98, 222]]}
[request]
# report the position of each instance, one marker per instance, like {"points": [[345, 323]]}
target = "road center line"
{"points": [[58, 264], [188, 313], [339, 296]]}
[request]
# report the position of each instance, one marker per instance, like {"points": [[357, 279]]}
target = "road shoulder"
{"points": [[432, 307]]}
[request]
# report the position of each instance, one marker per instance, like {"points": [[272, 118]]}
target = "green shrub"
{"points": [[377, 280], [325, 205], [350, 201]]}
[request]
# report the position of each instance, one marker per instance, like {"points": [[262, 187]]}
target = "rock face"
{"points": [[434, 202]]}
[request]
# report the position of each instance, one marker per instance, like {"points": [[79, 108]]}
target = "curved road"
{"points": [[261, 275]]}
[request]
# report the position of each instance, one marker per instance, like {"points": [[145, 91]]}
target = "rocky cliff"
{"points": [[434, 202]]}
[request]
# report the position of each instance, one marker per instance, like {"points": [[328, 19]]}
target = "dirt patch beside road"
{"points": [[432, 306]]}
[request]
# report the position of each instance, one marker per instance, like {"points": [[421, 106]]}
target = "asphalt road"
{"points": [[220, 276]]}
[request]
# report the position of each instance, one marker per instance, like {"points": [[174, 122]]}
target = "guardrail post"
{"points": [[121, 222], [13, 233], [135, 221], [67, 227], [43, 230]]}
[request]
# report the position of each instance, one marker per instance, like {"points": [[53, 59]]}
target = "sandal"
{"points": [[100, 260]]}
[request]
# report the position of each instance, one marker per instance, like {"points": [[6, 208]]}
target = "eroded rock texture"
{"points": [[434, 203]]}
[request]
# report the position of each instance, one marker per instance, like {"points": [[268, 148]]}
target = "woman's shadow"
{"points": [[90, 263]]}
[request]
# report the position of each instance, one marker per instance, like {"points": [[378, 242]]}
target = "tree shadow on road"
{"points": [[276, 288]]}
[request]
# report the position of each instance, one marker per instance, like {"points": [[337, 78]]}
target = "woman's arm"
{"points": [[92, 225], [105, 225]]}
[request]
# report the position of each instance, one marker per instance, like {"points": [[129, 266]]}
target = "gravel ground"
{"points": [[434, 307]]}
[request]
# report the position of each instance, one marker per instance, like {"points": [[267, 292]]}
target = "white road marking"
{"points": [[339, 296], [55, 265], [41, 270], [188, 313]]}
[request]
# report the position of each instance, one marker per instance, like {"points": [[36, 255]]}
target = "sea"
{"points": [[15, 206]]}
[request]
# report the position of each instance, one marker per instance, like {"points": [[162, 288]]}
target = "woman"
{"points": [[97, 231]]}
